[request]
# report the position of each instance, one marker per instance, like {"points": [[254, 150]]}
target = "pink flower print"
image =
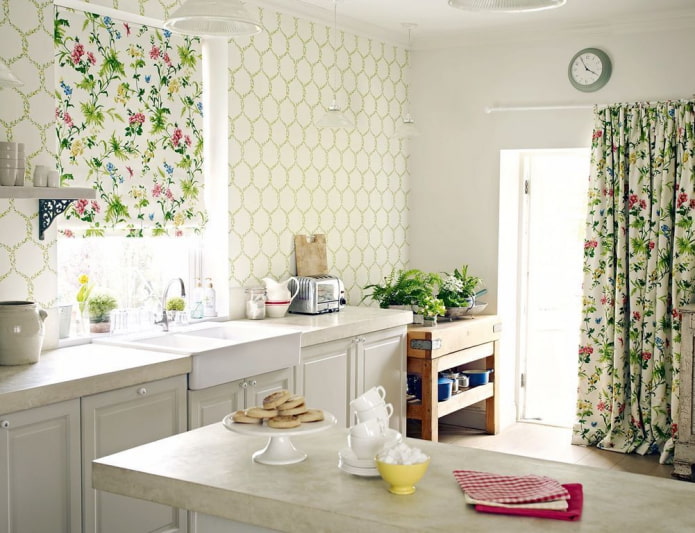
{"points": [[176, 137], [682, 198], [127, 28], [154, 52], [178, 232], [187, 140], [590, 244], [68, 233], [636, 315], [95, 206], [602, 406], [692, 203], [597, 135], [632, 200], [91, 58], [68, 120], [80, 205], [77, 53], [137, 118], [643, 204], [169, 194], [646, 356], [156, 190], [166, 59], [651, 245], [130, 171]]}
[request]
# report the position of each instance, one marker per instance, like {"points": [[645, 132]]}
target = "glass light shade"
{"points": [[218, 18], [407, 128], [334, 118], [508, 6], [7, 79]]}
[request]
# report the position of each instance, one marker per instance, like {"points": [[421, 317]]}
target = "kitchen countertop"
{"points": [[75, 371], [69, 373], [210, 471]]}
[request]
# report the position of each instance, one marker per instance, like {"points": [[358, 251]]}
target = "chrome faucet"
{"points": [[164, 321]]}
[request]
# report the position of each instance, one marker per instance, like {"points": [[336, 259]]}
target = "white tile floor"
{"points": [[553, 443]]}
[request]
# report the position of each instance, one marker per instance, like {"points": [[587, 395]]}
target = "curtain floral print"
{"points": [[129, 124], [639, 269]]}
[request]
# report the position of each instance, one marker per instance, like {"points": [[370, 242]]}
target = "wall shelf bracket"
{"points": [[48, 210]]}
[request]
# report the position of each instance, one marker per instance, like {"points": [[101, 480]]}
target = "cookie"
{"points": [[312, 415], [240, 417], [293, 401], [259, 412], [277, 398], [284, 422], [293, 411]]}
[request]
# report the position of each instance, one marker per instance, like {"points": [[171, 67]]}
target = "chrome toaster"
{"points": [[317, 294]]}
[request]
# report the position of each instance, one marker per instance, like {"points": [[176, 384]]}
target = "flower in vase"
{"points": [[83, 292]]}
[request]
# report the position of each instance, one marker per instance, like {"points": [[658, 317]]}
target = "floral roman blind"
{"points": [[129, 124]]}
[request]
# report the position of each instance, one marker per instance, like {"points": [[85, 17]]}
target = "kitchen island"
{"points": [[209, 471]]}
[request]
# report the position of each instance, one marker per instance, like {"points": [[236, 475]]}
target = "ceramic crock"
{"points": [[21, 332]]}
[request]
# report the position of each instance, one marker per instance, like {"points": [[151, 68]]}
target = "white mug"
{"points": [[380, 412], [373, 397], [53, 178], [40, 176], [369, 428], [368, 447]]}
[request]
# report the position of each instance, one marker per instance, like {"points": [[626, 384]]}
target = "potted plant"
{"points": [[458, 290], [100, 304], [403, 288], [173, 306], [429, 306]]}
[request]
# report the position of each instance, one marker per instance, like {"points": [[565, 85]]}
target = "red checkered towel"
{"points": [[510, 489]]}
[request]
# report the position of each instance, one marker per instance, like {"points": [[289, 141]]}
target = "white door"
{"points": [[555, 187]]}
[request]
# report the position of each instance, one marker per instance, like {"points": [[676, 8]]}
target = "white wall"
{"points": [[454, 199]]}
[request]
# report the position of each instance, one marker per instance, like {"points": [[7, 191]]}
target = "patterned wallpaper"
{"points": [[286, 176]]}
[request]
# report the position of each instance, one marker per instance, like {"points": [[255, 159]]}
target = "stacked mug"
{"points": [[12, 164], [371, 432]]}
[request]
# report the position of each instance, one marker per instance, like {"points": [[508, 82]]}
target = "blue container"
{"points": [[444, 386], [477, 377]]}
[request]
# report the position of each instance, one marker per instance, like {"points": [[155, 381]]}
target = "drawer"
{"points": [[448, 337]]}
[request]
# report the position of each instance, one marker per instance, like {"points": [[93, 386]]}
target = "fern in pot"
{"points": [[99, 305], [458, 291]]}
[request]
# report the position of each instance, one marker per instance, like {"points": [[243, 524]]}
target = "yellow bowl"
{"points": [[402, 478]]}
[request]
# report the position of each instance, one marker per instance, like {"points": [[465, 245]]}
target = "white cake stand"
{"points": [[279, 450]]}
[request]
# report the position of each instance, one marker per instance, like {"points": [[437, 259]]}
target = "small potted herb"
{"points": [[458, 290], [174, 306], [99, 305]]}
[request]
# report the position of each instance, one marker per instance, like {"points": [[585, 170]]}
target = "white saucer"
{"points": [[365, 472]]}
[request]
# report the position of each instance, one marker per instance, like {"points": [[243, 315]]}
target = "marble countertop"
{"points": [[210, 470], [75, 371]]}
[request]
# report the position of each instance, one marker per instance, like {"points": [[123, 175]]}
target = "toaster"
{"points": [[317, 294]]}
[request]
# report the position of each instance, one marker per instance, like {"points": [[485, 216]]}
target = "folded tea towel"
{"points": [[573, 512], [498, 488], [556, 505]]}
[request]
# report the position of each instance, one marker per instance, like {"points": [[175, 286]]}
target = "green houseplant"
{"points": [[458, 289], [100, 304], [403, 287]]}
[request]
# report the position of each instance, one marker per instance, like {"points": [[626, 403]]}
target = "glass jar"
{"points": [[255, 303]]}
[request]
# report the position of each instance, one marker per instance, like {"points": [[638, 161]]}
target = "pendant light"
{"points": [[506, 6], [407, 129], [334, 117], [7, 78], [213, 18]]}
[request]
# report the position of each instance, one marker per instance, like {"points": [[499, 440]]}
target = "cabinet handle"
{"points": [[244, 385], [142, 391], [253, 383], [4, 424]]}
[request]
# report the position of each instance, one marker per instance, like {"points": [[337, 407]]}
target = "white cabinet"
{"points": [[40, 470], [332, 374], [211, 405], [117, 420]]}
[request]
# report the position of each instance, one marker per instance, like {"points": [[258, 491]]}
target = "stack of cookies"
{"points": [[281, 409]]}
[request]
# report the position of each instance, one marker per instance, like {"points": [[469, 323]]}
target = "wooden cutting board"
{"points": [[310, 253]]}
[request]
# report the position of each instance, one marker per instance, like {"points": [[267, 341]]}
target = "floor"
{"points": [[552, 443]]}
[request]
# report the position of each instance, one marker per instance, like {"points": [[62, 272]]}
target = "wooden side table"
{"points": [[473, 342]]}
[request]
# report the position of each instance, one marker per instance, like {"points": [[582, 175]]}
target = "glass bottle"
{"points": [[255, 303]]}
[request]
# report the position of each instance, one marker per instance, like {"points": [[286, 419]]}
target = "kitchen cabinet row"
{"points": [[46, 452]]}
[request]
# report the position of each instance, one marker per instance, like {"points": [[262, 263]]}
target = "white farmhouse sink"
{"points": [[221, 351]]}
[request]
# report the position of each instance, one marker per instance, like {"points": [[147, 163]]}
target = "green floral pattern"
{"points": [[129, 124], [639, 265]]}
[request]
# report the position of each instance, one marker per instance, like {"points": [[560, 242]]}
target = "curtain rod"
{"points": [[501, 109]]}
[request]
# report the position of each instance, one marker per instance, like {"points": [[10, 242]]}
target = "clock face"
{"points": [[589, 69]]}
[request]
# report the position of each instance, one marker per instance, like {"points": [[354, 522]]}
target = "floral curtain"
{"points": [[639, 267], [129, 124]]}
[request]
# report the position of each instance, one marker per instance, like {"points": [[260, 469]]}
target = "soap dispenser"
{"points": [[197, 310], [210, 299]]}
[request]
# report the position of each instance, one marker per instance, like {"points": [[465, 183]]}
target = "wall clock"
{"points": [[589, 69]]}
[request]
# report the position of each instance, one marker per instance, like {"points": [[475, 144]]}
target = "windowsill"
{"points": [[77, 341]]}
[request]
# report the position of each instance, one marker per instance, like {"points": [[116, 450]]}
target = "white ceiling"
{"points": [[439, 25]]}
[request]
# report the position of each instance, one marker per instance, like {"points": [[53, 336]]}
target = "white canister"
{"points": [[21, 332]]}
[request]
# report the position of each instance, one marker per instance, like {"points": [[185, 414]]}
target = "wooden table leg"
{"points": [[430, 419]]}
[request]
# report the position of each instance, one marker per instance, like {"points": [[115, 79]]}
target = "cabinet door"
{"points": [[40, 470], [117, 420], [260, 386], [322, 378], [211, 405], [380, 360]]}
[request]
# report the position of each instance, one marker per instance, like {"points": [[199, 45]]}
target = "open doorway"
{"points": [[546, 264]]}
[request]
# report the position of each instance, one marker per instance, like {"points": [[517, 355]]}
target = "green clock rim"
{"points": [[605, 73]]}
